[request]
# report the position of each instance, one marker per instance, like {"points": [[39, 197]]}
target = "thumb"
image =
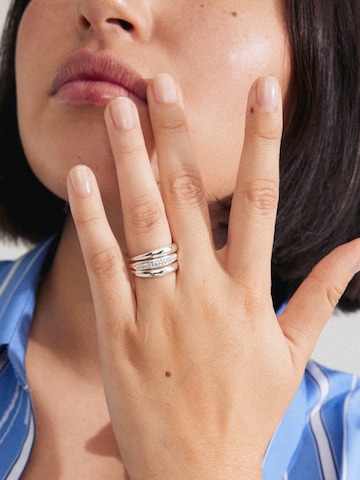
{"points": [[314, 301]]}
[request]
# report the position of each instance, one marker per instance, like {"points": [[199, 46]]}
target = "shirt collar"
{"points": [[18, 286]]}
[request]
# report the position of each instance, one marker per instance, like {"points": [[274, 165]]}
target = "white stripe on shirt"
{"points": [[21, 461], [22, 277], [326, 457], [345, 413], [9, 276], [10, 408]]}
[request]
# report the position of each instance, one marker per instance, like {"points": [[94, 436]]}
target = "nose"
{"points": [[130, 17]]}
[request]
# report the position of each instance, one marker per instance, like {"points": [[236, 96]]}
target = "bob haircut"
{"points": [[319, 204]]}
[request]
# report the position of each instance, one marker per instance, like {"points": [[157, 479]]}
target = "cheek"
{"points": [[217, 105], [31, 37], [225, 64], [43, 39], [39, 124], [33, 63]]}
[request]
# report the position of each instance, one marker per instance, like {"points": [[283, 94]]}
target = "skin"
{"points": [[162, 346], [191, 42]]}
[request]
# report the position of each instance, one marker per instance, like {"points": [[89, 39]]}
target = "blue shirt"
{"points": [[317, 439]]}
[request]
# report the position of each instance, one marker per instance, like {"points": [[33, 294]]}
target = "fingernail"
{"points": [[164, 89], [268, 93], [122, 113], [80, 181]]}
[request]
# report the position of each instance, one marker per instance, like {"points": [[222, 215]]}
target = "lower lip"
{"points": [[94, 93]]}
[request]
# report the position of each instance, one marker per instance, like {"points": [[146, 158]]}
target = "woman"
{"points": [[156, 352]]}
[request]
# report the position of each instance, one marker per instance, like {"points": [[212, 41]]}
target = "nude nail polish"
{"points": [[268, 93], [122, 113], [80, 181], [164, 89]]}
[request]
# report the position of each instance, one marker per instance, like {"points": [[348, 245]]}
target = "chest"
{"points": [[74, 437]]}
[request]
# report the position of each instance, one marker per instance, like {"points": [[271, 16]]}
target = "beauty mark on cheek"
{"points": [[234, 14]]}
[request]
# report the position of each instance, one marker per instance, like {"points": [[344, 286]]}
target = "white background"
{"points": [[338, 346], [3, 7]]}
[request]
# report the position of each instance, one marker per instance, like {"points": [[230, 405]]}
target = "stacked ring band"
{"points": [[155, 263]]}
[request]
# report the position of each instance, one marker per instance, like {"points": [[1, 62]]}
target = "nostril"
{"points": [[85, 23], [126, 25]]}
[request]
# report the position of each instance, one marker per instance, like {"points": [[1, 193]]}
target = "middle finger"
{"points": [[144, 218]]}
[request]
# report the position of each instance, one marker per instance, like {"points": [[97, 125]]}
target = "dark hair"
{"points": [[320, 179], [319, 204], [27, 209]]}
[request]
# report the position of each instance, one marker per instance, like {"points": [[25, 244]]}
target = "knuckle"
{"points": [[333, 295], [330, 293], [104, 262], [84, 220], [187, 186], [132, 149], [265, 135], [266, 130], [175, 124], [262, 196], [144, 215]]}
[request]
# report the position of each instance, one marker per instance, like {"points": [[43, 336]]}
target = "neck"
{"points": [[64, 320]]}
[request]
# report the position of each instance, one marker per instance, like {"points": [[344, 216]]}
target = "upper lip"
{"points": [[99, 66]]}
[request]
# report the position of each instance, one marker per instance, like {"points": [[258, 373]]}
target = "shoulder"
{"points": [[333, 423], [319, 436], [18, 285], [330, 389], [24, 269], [5, 269], [335, 409]]}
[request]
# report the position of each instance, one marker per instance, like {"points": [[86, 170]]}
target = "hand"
{"points": [[197, 369]]}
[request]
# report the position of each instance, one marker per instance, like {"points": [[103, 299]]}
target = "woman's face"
{"points": [[214, 49]]}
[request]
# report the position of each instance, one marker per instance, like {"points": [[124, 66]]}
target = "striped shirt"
{"points": [[317, 439]]}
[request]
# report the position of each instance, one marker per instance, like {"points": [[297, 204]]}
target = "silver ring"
{"points": [[158, 252], [155, 263], [158, 262], [156, 272]]}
